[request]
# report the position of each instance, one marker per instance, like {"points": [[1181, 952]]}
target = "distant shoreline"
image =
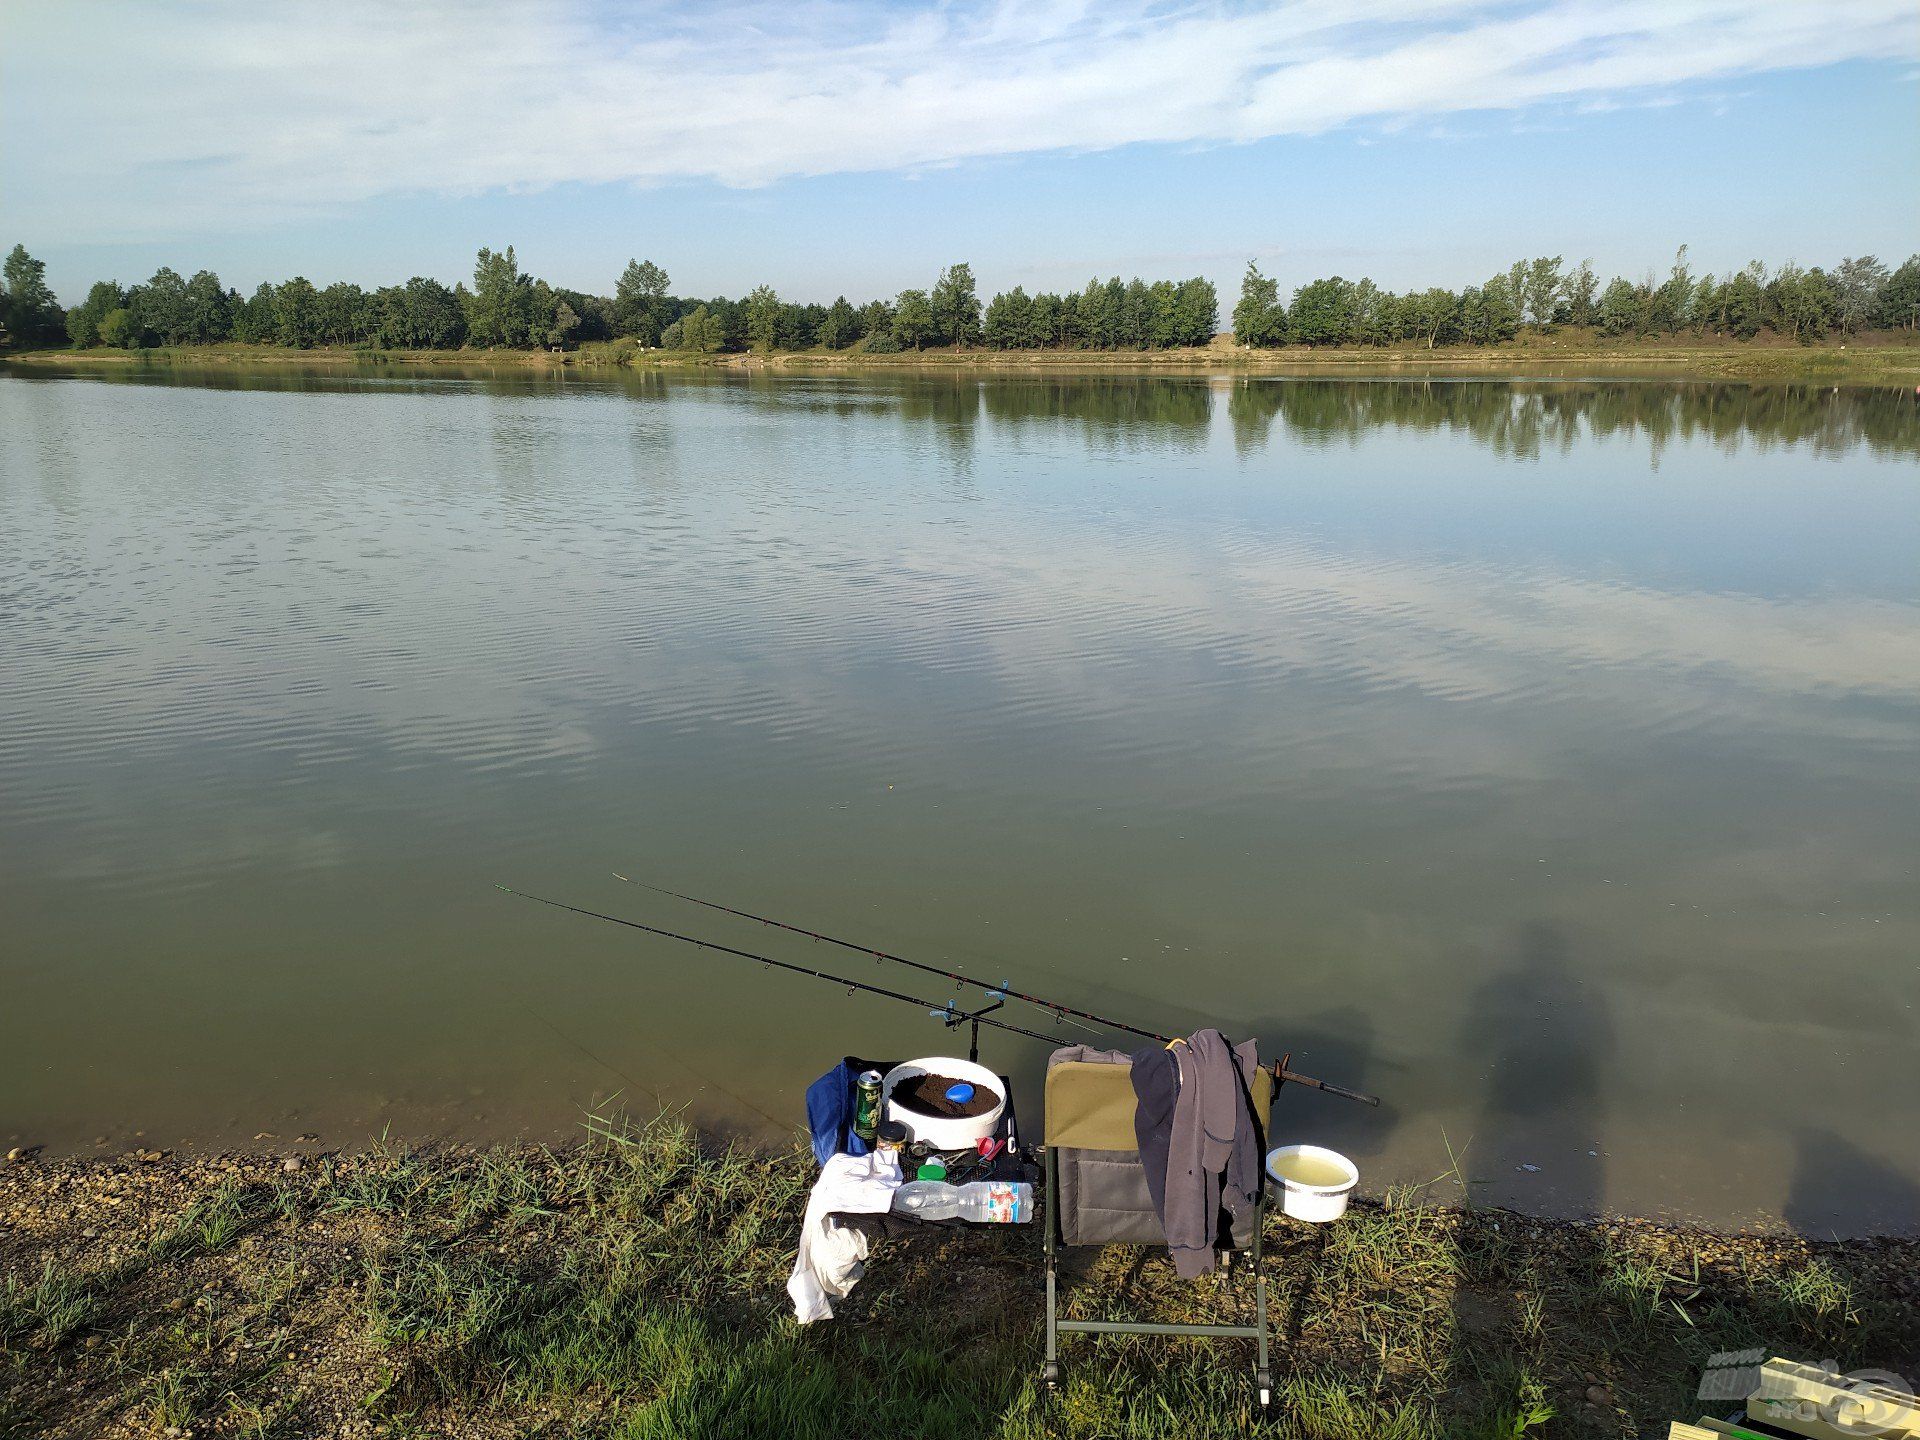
{"points": [[1876, 359]]}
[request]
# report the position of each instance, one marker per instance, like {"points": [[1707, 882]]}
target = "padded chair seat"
{"points": [[1102, 1196]]}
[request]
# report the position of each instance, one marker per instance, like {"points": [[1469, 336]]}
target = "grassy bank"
{"points": [[1881, 359], [635, 1286]]}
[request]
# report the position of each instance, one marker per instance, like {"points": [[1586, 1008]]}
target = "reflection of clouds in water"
{"points": [[1836, 644], [1077, 628], [202, 851]]}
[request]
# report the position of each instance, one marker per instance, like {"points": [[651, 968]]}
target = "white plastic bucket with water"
{"points": [[1314, 1181], [959, 1132]]}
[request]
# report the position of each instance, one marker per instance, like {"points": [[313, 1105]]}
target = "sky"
{"points": [[855, 148]]}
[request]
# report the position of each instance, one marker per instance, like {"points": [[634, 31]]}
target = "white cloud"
{"points": [[125, 122]]}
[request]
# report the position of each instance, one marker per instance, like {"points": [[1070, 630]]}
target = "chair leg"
{"points": [[1263, 1371], [1050, 1370]]}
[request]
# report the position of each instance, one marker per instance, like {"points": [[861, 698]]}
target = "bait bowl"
{"points": [[941, 1132], [1314, 1181]]}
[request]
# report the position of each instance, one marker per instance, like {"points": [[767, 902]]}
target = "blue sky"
{"points": [[854, 148]]}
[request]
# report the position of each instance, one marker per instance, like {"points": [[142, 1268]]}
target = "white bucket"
{"points": [[959, 1132], [1309, 1189]]}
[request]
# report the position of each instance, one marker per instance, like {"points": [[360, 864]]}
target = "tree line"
{"points": [[1542, 294], [506, 307]]}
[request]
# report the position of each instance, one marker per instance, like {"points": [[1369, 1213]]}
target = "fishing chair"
{"points": [[1096, 1194]]}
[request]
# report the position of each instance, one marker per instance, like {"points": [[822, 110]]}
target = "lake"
{"points": [[1542, 756]]}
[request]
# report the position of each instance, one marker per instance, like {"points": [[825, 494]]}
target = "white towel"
{"points": [[830, 1260]]}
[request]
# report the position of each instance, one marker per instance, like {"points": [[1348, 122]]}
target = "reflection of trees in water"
{"points": [[1112, 411], [950, 407], [1518, 419], [1523, 419]]}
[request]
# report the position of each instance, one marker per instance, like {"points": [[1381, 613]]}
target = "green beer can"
{"points": [[866, 1106]]}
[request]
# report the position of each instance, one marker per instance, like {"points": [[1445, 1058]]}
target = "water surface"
{"points": [[1542, 756]]}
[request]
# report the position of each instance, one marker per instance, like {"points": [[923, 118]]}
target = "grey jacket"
{"points": [[1213, 1151]]}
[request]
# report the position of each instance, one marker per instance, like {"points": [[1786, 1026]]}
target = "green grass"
{"points": [[635, 1287]]}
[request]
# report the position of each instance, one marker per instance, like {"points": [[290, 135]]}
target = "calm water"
{"points": [[1545, 757]]}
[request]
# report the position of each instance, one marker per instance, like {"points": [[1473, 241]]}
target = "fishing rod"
{"points": [[938, 1011], [994, 992]]}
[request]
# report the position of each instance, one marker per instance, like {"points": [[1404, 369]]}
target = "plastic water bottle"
{"points": [[996, 1202], [927, 1200], [984, 1202]]}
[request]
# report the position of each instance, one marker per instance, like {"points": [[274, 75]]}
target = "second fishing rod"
{"points": [[993, 991]]}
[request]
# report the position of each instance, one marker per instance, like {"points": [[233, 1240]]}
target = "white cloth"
{"points": [[830, 1260]]}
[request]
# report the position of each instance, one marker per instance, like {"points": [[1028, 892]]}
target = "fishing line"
{"points": [[946, 1011], [1062, 1012], [850, 984]]}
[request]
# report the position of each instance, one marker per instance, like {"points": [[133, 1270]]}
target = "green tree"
{"points": [[1626, 308], [1900, 296], [1707, 308], [1043, 320], [1802, 302], [1071, 327], [423, 314], [596, 314], [1500, 305], [83, 321], [1152, 310], [1745, 301], [912, 318], [640, 300], [1542, 287], [840, 327], [207, 310], [763, 317], [1369, 314], [501, 310], [339, 314], [1136, 314], [699, 329], [1672, 301], [118, 328], [1100, 317], [956, 308], [876, 319], [295, 320], [1009, 319], [730, 318], [1433, 315], [1258, 320], [1319, 312], [1857, 284], [1582, 290], [162, 306], [1475, 326], [564, 322], [31, 315], [799, 327], [1196, 311], [254, 319]]}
